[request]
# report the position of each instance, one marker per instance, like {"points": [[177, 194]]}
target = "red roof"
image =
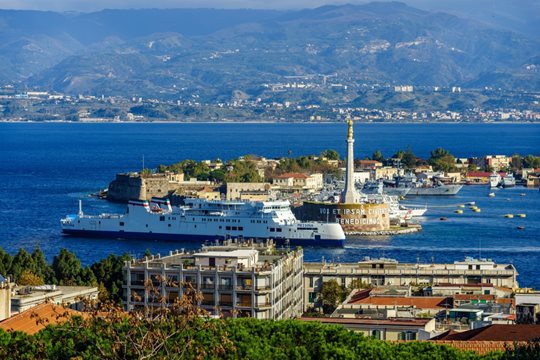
{"points": [[33, 320], [420, 302], [462, 297], [482, 174], [494, 333], [355, 321], [292, 175]]}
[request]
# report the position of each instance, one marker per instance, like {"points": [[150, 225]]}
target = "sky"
{"points": [[85, 5]]}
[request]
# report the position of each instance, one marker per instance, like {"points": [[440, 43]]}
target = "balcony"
{"points": [[244, 304], [244, 287]]}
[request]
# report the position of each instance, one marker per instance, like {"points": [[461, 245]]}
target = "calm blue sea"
{"points": [[46, 167]]}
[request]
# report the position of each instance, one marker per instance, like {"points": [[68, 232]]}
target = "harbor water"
{"points": [[47, 167]]}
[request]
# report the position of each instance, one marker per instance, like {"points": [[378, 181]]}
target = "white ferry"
{"points": [[201, 220]]}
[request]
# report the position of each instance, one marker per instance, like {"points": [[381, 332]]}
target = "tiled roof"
{"points": [[480, 347], [461, 297], [494, 333], [33, 320], [356, 321], [292, 175], [482, 174], [420, 302]]}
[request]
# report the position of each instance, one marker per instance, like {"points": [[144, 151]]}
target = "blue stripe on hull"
{"points": [[193, 238]]}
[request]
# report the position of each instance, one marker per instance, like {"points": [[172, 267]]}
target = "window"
{"points": [[241, 228], [227, 228], [376, 334], [279, 229], [312, 296], [162, 218], [121, 223], [407, 335]]}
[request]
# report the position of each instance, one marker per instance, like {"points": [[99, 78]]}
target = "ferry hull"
{"points": [[194, 238]]}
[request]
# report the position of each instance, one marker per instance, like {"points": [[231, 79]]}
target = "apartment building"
{"points": [[234, 280]]}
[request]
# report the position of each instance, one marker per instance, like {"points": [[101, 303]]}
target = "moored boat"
{"points": [[203, 220]]}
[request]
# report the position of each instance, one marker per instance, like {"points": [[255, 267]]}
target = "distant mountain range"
{"points": [[218, 54]]}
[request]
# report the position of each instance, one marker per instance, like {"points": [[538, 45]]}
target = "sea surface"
{"points": [[46, 167]]}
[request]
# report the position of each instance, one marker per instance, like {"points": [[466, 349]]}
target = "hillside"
{"points": [[215, 54]]}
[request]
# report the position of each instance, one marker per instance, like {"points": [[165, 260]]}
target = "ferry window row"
{"points": [[259, 221], [234, 228], [275, 229], [219, 220]]}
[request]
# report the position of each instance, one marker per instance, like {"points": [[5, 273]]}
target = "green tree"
{"points": [[42, 267], [332, 294], [516, 163], [108, 272], [22, 261], [330, 154], [442, 160], [409, 159], [146, 172], [28, 278], [378, 156], [67, 268], [5, 262], [531, 161]]}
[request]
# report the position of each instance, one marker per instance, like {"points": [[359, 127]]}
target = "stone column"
{"points": [[348, 196]]}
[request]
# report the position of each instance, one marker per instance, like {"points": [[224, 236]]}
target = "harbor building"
{"points": [[380, 272], [353, 215], [235, 280]]}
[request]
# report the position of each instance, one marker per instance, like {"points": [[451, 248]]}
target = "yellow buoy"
{"points": [[522, 215], [461, 206], [509, 216], [476, 210], [459, 211]]}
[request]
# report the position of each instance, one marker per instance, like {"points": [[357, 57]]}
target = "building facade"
{"points": [[379, 272], [234, 280]]}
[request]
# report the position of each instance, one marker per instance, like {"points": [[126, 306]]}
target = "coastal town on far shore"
{"points": [[280, 102]]}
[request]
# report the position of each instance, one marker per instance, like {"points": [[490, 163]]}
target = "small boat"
{"points": [[471, 203], [491, 194], [522, 194], [522, 215], [509, 216], [521, 227], [508, 181], [459, 211], [461, 206], [477, 210], [494, 180]]}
